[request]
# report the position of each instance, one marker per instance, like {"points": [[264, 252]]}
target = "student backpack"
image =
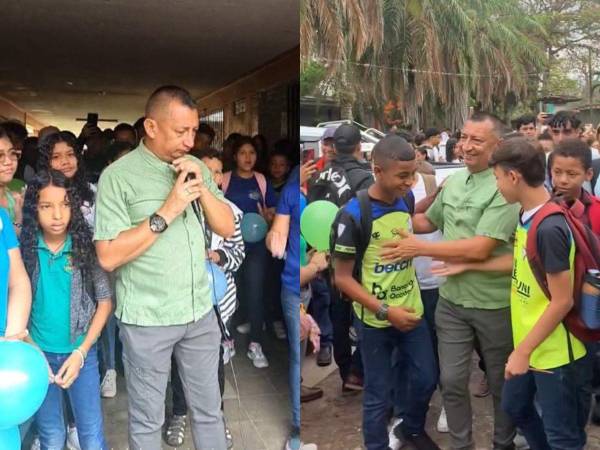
{"points": [[333, 184], [587, 257], [364, 232]]}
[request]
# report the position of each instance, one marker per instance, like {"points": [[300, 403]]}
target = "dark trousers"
{"points": [[565, 399], [377, 346], [320, 304], [250, 283], [273, 289], [429, 298], [179, 403], [341, 319]]}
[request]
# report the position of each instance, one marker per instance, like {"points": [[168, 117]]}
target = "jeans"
{"points": [[319, 304], [429, 298], [565, 400], [107, 345], [377, 346], [341, 319], [84, 396], [290, 303], [250, 283]]}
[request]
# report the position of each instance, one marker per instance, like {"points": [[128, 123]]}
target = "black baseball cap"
{"points": [[346, 136]]}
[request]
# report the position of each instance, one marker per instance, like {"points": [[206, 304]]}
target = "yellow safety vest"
{"points": [[528, 302]]}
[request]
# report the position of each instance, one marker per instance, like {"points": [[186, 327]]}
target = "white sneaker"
{"points": [[228, 351], [257, 356], [520, 442], [243, 328], [442, 424], [108, 389], [394, 442], [72, 439], [279, 330], [35, 445]]}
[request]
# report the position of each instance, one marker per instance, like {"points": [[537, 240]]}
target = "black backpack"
{"points": [[333, 184], [364, 233]]}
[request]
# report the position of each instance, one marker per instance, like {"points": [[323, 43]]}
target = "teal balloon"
{"points": [[216, 281], [315, 223], [254, 227], [23, 382], [10, 439]]}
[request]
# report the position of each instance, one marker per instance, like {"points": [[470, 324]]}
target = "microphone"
{"points": [[195, 204]]}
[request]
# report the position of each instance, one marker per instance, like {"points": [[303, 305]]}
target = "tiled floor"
{"points": [[257, 411]]}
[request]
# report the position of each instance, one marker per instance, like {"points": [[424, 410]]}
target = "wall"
{"points": [[265, 94], [9, 111]]}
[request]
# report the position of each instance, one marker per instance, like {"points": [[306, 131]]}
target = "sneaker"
{"points": [[108, 389], [228, 435], [324, 356], [395, 441], [352, 383], [279, 330], [520, 442], [308, 394], [243, 328], [227, 352], [442, 424], [421, 441], [72, 439], [257, 356], [35, 445], [294, 443], [483, 389], [175, 434]]}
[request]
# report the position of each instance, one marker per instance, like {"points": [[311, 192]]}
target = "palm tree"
{"points": [[431, 57]]}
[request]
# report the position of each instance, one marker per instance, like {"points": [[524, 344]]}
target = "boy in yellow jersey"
{"points": [[387, 302], [548, 363]]}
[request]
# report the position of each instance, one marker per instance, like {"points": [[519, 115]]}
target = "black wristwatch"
{"points": [[382, 312], [157, 223]]}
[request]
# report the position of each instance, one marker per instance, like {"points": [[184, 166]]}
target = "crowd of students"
{"points": [[424, 276], [77, 241]]}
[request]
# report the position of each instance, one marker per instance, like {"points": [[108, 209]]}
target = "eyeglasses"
{"points": [[12, 154]]}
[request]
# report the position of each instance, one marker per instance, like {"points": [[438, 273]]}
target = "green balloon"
{"points": [[315, 223]]}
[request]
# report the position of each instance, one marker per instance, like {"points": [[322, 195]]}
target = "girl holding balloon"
{"points": [[252, 193], [71, 303]]}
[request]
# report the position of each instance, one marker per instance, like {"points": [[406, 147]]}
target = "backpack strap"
{"points": [[262, 185], [366, 226], [533, 257], [226, 181]]}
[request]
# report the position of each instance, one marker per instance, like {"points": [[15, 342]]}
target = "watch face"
{"points": [[157, 223]]}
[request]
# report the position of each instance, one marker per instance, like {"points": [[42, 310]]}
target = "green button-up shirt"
{"points": [[471, 205], [167, 284]]}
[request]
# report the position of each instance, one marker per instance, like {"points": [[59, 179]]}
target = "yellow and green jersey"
{"points": [[392, 283], [528, 301]]}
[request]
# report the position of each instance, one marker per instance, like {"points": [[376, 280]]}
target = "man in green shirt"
{"points": [[477, 224], [147, 232]]}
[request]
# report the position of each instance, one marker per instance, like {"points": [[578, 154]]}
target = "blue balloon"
{"points": [[10, 439], [216, 281], [254, 227], [23, 382]]}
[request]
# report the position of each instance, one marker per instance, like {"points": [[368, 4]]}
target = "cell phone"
{"points": [[92, 119]]}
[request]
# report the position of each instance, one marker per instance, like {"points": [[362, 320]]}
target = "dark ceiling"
{"points": [[64, 58]]}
